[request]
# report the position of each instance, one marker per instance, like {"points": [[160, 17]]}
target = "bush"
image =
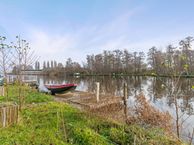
{"points": [[145, 114]]}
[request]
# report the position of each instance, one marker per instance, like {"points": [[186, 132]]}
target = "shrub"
{"points": [[145, 114]]}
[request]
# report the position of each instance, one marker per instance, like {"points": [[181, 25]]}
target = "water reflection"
{"points": [[157, 90], [154, 88]]}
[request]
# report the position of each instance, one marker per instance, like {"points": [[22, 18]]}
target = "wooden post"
{"points": [[125, 99], [8, 80], [2, 91], [16, 113], [4, 117], [97, 91], [8, 115]]}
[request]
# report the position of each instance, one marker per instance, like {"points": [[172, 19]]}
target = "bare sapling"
{"points": [[25, 58], [176, 72], [6, 62], [191, 137]]}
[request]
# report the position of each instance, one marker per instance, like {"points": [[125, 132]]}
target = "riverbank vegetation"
{"points": [[60, 123], [58, 126]]}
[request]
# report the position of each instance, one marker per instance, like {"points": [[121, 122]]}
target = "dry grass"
{"points": [[110, 111], [111, 107], [145, 114]]}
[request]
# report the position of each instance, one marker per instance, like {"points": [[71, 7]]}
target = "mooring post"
{"points": [[125, 99], [97, 91]]}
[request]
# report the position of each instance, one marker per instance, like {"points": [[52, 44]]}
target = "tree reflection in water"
{"points": [[157, 90]]}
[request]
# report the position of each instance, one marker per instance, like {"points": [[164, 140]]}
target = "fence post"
{"points": [[1, 90], [97, 91], [125, 96], [4, 117], [8, 115]]}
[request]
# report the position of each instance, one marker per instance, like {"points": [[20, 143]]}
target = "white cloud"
{"points": [[51, 46], [80, 42], [92, 38]]}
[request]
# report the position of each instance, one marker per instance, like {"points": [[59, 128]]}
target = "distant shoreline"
{"points": [[41, 72]]}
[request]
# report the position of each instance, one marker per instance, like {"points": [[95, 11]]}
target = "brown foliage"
{"points": [[145, 114]]}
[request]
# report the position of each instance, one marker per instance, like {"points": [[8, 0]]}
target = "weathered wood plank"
{"points": [[8, 114]]}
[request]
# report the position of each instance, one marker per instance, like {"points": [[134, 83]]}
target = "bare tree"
{"points": [[24, 58], [6, 61]]}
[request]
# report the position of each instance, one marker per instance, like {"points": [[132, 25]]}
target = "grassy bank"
{"points": [[61, 124], [28, 95]]}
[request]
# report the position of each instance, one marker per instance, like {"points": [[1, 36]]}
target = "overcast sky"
{"points": [[58, 29]]}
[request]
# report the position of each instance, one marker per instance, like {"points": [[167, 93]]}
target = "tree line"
{"points": [[173, 61]]}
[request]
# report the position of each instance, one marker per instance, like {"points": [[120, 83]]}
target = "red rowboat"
{"points": [[60, 88]]}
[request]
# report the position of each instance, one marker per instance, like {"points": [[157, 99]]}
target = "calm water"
{"points": [[157, 91]]}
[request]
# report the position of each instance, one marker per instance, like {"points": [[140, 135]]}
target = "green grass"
{"points": [[61, 124], [29, 95]]}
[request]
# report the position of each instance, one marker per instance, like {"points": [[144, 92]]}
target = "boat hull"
{"points": [[60, 88]]}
